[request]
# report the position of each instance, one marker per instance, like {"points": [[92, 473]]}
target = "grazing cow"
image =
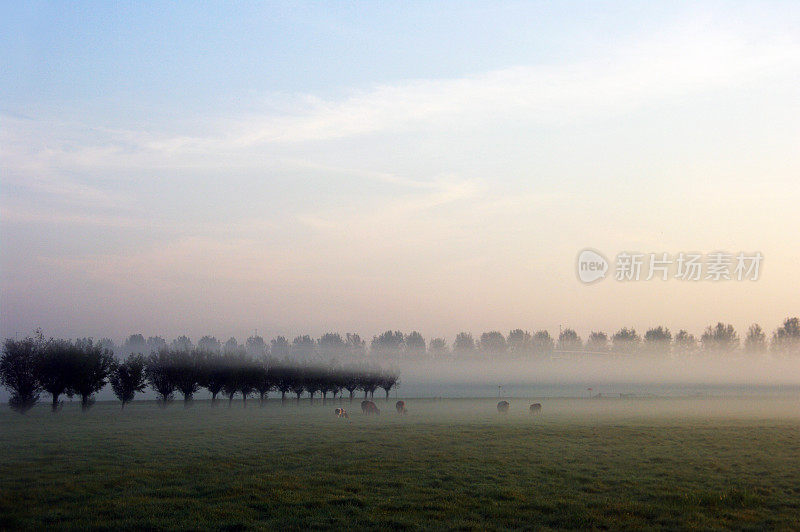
{"points": [[401, 407], [341, 412], [536, 408], [502, 407], [368, 407]]}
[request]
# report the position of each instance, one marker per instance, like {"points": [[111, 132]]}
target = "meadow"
{"points": [[671, 463]]}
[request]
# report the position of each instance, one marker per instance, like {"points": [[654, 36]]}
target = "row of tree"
{"points": [[34, 365], [392, 344]]}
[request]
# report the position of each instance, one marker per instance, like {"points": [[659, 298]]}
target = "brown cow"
{"points": [[368, 407], [341, 412], [536, 408], [400, 406], [503, 406]]}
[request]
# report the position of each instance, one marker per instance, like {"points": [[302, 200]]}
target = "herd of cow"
{"points": [[369, 408]]}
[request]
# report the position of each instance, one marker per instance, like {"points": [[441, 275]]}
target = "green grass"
{"points": [[453, 464]]}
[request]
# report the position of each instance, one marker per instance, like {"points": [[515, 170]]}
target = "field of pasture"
{"points": [[453, 463]]}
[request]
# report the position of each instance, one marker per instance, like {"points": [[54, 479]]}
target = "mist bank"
{"points": [[593, 371]]}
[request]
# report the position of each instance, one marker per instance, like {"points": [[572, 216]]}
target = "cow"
{"points": [[341, 412], [368, 407], [536, 408], [400, 406], [502, 407]]}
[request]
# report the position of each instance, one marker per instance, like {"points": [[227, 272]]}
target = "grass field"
{"points": [[581, 464]]}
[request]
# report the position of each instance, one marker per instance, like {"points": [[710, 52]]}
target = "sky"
{"points": [[220, 168]]}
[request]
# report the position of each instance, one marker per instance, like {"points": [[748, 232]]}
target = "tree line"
{"points": [[390, 344], [61, 368]]}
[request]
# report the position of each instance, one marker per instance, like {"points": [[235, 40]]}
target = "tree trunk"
{"points": [[55, 403], [351, 395], [283, 397], [387, 394], [85, 402]]}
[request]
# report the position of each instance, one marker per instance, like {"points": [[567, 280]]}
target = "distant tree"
{"points": [[297, 380], [543, 343], [331, 345], [303, 347], [437, 347], [388, 344], [464, 344], [719, 338], [18, 372], [161, 376], [231, 346], [256, 347], [356, 347], [107, 344], [493, 343], [128, 377], [626, 340], [756, 340], [154, 345], [56, 363], [209, 344], [786, 339], [182, 343], [520, 343], [263, 381], [135, 343], [369, 381], [569, 340], [280, 348], [685, 342], [658, 340], [92, 369], [414, 344], [598, 341]]}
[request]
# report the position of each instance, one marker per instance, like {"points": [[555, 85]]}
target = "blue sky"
{"points": [[292, 167]]}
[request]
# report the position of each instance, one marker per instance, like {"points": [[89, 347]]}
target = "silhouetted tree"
{"points": [[355, 346], [231, 346], [303, 347], [756, 340], [135, 343], [263, 381], [598, 341], [520, 343], [186, 373], [569, 340], [215, 371], [388, 380], [18, 372], [256, 347], [464, 344], [720, 338], [280, 348], [685, 342], [387, 344], [543, 343], [437, 347], [786, 339], [128, 377], [161, 376], [56, 362], [493, 343], [658, 340], [209, 344], [414, 344], [625, 340], [330, 345], [93, 366], [154, 345], [182, 343]]}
